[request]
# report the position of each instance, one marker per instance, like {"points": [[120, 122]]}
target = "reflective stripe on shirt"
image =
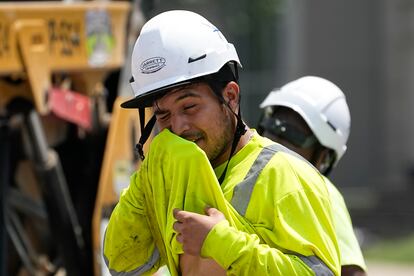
{"points": [[243, 192], [139, 270], [317, 265]]}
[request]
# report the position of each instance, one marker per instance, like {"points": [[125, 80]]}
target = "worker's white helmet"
{"points": [[173, 48], [322, 105]]}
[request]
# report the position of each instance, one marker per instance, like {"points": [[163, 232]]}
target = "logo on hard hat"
{"points": [[152, 65]]}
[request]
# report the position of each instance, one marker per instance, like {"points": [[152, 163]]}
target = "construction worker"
{"points": [[212, 197], [310, 116]]}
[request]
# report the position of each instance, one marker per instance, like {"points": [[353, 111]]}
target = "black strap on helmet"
{"points": [[329, 161], [239, 132], [145, 132]]}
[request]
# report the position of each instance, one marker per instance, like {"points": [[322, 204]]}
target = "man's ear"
{"points": [[231, 95]]}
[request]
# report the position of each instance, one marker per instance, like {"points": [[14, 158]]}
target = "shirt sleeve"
{"points": [[301, 233], [241, 253], [129, 247]]}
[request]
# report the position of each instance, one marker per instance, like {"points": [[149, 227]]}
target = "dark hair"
{"points": [[217, 81]]}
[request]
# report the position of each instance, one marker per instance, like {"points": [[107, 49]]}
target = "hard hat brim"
{"points": [[139, 102], [147, 99]]}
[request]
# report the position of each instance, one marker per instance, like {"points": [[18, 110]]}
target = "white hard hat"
{"points": [[173, 48], [322, 105]]}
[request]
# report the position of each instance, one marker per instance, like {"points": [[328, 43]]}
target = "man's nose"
{"points": [[179, 124]]}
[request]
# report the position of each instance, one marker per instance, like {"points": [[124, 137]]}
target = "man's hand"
{"points": [[192, 228]]}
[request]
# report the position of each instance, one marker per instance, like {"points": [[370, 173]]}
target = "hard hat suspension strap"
{"points": [[145, 132], [239, 132]]}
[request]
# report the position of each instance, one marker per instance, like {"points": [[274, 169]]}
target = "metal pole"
{"points": [[62, 216], [4, 175]]}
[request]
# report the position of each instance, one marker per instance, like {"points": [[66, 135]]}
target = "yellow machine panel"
{"points": [[82, 36]]}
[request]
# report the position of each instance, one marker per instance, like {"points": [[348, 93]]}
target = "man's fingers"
{"points": [[210, 211], [177, 226], [176, 212], [179, 238], [180, 215]]}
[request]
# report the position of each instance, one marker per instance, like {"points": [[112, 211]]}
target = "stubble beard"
{"points": [[223, 140]]}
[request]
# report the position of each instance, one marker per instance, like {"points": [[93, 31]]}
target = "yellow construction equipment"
{"points": [[45, 48]]}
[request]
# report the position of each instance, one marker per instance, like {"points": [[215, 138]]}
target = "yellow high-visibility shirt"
{"points": [[280, 225], [289, 208]]}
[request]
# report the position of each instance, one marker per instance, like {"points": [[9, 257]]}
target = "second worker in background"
{"points": [[310, 116]]}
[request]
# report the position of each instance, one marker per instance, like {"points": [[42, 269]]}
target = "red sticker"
{"points": [[71, 106]]}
